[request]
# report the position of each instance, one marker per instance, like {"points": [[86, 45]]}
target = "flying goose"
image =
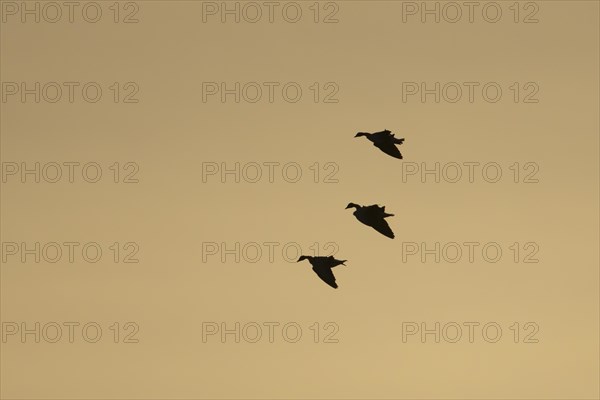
{"points": [[385, 141], [322, 267], [373, 216]]}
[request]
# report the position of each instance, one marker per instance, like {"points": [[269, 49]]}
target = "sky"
{"points": [[185, 162]]}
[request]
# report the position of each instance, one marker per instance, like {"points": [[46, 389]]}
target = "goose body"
{"points": [[322, 267], [384, 141], [373, 216]]}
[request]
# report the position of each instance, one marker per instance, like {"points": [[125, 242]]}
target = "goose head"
{"points": [[350, 205], [359, 134], [304, 258]]}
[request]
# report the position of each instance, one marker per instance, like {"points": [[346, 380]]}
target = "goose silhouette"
{"points": [[373, 216], [385, 141], [322, 267]]}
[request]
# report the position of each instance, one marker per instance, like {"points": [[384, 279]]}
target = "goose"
{"points": [[373, 216], [385, 141], [322, 267]]}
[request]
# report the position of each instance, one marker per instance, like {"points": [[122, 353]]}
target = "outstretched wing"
{"points": [[385, 214], [389, 149], [381, 226], [326, 275], [383, 133], [375, 211], [398, 141], [333, 262]]}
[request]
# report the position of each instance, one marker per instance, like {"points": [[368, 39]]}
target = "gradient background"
{"points": [[171, 212]]}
